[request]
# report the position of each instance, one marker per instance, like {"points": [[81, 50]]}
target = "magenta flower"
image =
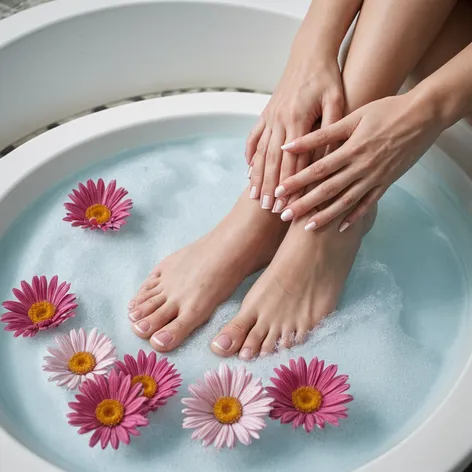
{"points": [[79, 357], [309, 395], [159, 378], [40, 306], [111, 407], [97, 207], [226, 406]]}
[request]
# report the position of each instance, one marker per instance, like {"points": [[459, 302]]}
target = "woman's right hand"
{"points": [[308, 91]]}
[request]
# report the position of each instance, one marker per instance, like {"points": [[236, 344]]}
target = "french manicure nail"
{"points": [[265, 202], [142, 326], [287, 215], [253, 192], [288, 146], [163, 339], [278, 206], [135, 315], [131, 304], [249, 172], [264, 353], [279, 191], [310, 226], [223, 342], [245, 354], [344, 226]]}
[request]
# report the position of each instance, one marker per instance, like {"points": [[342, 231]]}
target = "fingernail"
{"points": [[264, 353], [135, 315], [142, 326], [253, 192], [288, 146], [279, 191], [249, 172], [287, 215], [343, 227], [163, 339], [278, 206], [131, 304], [266, 202], [223, 342], [245, 354], [310, 226]]}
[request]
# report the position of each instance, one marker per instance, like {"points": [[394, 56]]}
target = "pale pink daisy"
{"points": [[111, 407], [309, 395], [79, 357], [98, 207], [40, 306], [159, 378], [225, 407]]}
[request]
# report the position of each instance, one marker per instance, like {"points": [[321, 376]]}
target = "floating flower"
{"points": [[111, 407], [97, 207], [309, 395], [226, 406], [41, 306], [79, 357], [159, 379]]}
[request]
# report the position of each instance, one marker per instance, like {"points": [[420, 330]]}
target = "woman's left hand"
{"points": [[382, 140]]}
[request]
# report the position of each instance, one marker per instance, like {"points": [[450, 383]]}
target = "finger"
{"points": [[339, 131], [273, 162], [339, 206], [315, 172], [258, 164], [302, 163], [361, 210], [324, 192], [332, 113], [253, 139]]}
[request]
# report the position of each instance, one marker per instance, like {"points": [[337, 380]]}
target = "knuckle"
{"points": [[329, 189], [238, 327], [294, 115], [261, 147], [348, 200], [271, 157], [318, 170]]}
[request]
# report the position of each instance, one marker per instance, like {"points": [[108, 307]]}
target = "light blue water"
{"points": [[394, 334]]}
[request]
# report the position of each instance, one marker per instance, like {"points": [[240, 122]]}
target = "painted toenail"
{"points": [[310, 226], [266, 202], [131, 304], [287, 215], [279, 191], [142, 326], [163, 339], [245, 354], [135, 315], [279, 204], [253, 192], [264, 353], [223, 342]]}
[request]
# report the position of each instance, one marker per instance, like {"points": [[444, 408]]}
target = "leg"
{"points": [[306, 277]]}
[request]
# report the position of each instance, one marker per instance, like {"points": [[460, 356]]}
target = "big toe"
{"points": [[232, 336]]}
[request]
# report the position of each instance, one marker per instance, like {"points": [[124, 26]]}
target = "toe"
{"points": [[232, 336], [269, 343], [146, 295], [148, 307], [253, 342], [287, 340], [156, 320]]}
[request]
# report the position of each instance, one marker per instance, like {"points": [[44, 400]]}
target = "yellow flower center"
{"points": [[149, 384], [110, 412], [98, 212], [227, 410], [41, 311], [82, 363], [306, 399]]}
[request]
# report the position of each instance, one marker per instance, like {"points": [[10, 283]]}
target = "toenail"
{"points": [[131, 304], [135, 315], [264, 353], [142, 326], [163, 339], [245, 354], [223, 342], [287, 215]]}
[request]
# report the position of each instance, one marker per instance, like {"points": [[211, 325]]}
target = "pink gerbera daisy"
{"points": [[41, 306], [226, 406], [309, 395], [111, 407], [159, 378], [79, 357], [97, 207]]}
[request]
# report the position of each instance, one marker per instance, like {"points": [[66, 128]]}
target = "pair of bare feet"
{"points": [[302, 284]]}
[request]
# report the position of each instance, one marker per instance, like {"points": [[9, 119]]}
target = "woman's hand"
{"points": [[382, 140], [306, 93]]}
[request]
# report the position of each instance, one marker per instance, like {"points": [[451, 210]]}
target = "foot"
{"points": [[183, 291], [302, 285]]}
